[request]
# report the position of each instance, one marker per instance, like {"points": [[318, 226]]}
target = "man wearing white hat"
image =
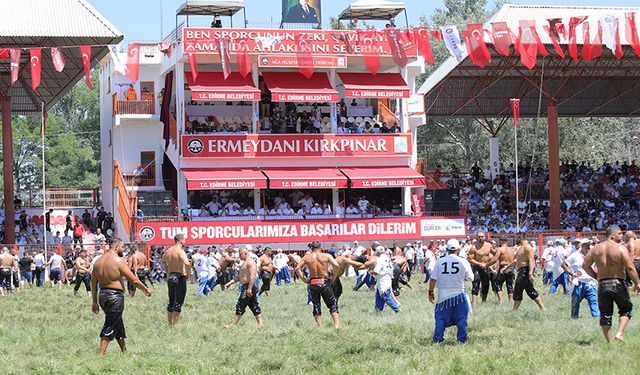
{"points": [[547, 261], [584, 286], [559, 255], [383, 272], [452, 306]]}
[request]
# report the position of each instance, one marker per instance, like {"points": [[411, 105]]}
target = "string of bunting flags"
{"points": [[527, 43]]}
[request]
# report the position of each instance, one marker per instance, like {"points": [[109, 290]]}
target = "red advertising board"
{"points": [[291, 61], [274, 41], [283, 231], [303, 97], [225, 96], [297, 145], [375, 93]]}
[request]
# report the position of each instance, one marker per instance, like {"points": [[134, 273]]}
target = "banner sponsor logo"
{"points": [[282, 41], [443, 227], [291, 61], [224, 96], [266, 145], [211, 233]]}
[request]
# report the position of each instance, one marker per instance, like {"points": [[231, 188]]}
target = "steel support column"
{"points": [[554, 167], [7, 170]]}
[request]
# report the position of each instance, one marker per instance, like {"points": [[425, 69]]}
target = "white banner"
{"points": [[451, 38]]}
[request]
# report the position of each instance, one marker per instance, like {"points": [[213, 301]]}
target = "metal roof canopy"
{"points": [[373, 10], [210, 7], [38, 24], [603, 87]]}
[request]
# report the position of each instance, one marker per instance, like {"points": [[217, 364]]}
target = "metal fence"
{"points": [[59, 198]]}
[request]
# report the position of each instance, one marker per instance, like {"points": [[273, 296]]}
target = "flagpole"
{"points": [[44, 188], [515, 137]]}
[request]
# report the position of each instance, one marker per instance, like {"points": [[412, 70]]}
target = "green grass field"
{"points": [[52, 332]]}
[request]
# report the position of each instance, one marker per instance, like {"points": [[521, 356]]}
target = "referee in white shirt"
{"points": [[452, 305]]}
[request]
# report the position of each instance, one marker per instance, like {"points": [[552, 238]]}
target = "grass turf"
{"points": [[49, 331]]}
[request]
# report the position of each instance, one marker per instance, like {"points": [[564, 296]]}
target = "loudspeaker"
{"points": [[442, 200]]}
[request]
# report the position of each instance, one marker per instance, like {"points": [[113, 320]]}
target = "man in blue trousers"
{"points": [[584, 286], [452, 306], [559, 255]]}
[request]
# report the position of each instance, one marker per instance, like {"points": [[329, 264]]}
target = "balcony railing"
{"points": [[133, 107]]}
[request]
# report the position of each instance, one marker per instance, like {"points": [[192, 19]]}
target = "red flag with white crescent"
{"points": [[527, 44], [36, 67], [573, 44], [515, 108], [190, 49], [15, 63], [225, 58], [4, 53], [423, 43], [303, 55], [395, 45], [553, 30], [58, 58], [592, 49], [632, 32], [242, 56], [166, 48], [85, 53], [133, 61], [436, 34], [619, 52], [474, 39], [367, 40], [501, 38]]}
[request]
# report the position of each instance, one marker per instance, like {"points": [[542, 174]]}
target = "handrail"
{"points": [[126, 202], [384, 112], [173, 129]]}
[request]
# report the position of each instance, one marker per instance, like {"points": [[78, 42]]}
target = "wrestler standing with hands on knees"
{"points": [[108, 272], [178, 267], [612, 259]]}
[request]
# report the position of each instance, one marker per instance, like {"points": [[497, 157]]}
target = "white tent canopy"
{"points": [[372, 10], [210, 7]]}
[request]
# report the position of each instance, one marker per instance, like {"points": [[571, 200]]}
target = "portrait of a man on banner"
{"points": [[301, 11]]}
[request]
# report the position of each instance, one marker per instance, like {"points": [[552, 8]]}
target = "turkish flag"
{"points": [[619, 52], [303, 55], [423, 43], [133, 61], [223, 52], [591, 50], [4, 53], [36, 67], [573, 45], [526, 44], [190, 49], [15, 63], [85, 53], [242, 57], [436, 34], [367, 40], [501, 38], [515, 108], [166, 48], [395, 45], [632, 32], [474, 39], [58, 58], [553, 30]]}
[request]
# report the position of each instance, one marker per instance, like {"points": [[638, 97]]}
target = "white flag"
{"points": [[452, 41], [118, 65], [609, 31]]}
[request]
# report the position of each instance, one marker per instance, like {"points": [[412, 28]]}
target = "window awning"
{"points": [[214, 179], [305, 178], [383, 177], [382, 85], [211, 86], [295, 87]]}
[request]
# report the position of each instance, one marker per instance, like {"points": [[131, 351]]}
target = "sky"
{"points": [[139, 20]]}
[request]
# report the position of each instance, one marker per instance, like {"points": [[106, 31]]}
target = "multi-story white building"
{"points": [[217, 159]]}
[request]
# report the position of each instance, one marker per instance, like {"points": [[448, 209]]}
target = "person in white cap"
{"points": [[452, 306], [547, 262], [559, 255], [584, 286]]}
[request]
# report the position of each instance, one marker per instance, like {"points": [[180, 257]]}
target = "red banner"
{"points": [[287, 231], [267, 41], [374, 93], [298, 145], [224, 96], [289, 61]]}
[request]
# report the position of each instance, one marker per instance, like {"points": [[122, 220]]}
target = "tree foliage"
{"points": [[72, 143]]}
